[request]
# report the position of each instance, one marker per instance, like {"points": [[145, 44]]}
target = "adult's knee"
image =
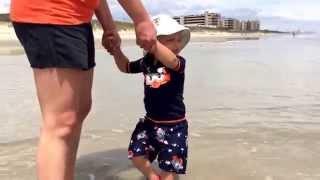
{"points": [[67, 123], [63, 125], [85, 109]]}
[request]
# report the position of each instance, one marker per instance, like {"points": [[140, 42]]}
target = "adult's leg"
{"points": [[65, 100]]}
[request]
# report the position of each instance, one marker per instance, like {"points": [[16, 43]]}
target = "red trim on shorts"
{"points": [[166, 121]]}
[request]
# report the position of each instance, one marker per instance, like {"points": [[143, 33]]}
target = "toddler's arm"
{"points": [[166, 56], [121, 60]]}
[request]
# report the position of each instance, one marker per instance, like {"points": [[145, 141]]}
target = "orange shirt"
{"points": [[60, 12]]}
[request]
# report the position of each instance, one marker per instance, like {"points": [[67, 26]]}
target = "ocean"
{"points": [[269, 83]]}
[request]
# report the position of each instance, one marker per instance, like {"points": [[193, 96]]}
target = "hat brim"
{"points": [[185, 33]]}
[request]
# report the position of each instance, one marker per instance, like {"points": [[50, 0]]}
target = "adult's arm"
{"points": [[109, 28], [145, 30]]}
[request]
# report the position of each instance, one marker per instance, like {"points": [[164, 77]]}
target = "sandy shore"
{"points": [[240, 153], [9, 44]]}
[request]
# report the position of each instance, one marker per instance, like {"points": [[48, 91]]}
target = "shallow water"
{"points": [[270, 82], [241, 85]]}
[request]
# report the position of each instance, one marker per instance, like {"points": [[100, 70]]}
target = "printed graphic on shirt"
{"points": [[155, 80]]}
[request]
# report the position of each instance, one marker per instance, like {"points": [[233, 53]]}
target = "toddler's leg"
{"points": [[172, 157], [145, 167], [167, 175]]}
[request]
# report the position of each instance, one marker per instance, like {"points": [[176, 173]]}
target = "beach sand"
{"points": [[218, 153], [9, 44]]}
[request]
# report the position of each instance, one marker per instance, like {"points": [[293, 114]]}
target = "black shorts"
{"points": [[57, 46], [166, 142]]}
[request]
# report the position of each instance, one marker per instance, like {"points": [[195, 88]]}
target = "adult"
{"points": [[58, 40]]}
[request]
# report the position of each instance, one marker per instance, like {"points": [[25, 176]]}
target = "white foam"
{"points": [[117, 130], [253, 150], [91, 177], [195, 135], [268, 178], [93, 136]]}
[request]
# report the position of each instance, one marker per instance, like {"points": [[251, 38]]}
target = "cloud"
{"points": [[241, 13], [279, 23], [307, 10], [176, 7], [272, 13], [4, 6], [290, 9]]}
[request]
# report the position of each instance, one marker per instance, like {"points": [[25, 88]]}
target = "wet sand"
{"points": [[222, 153]]}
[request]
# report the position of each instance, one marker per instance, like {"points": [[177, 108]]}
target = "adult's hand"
{"points": [[111, 41], [145, 30], [110, 38], [145, 34]]}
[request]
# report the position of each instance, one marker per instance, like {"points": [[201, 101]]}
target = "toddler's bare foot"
{"points": [[153, 177]]}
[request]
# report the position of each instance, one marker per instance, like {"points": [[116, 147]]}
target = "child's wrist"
{"points": [[154, 48], [117, 52]]}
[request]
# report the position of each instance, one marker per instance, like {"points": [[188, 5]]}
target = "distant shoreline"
{"points": [[9, 44]]}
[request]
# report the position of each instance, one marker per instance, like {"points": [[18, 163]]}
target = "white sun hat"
{"points": [[165, 25]]}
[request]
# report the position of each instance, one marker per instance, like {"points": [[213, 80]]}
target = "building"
{"points": [[250, 25], [253, 25], [231, 24], [244, 25], [206, 19], [214, 20]]}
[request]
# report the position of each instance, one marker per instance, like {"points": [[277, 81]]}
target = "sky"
{"points": [[273, 14]]}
